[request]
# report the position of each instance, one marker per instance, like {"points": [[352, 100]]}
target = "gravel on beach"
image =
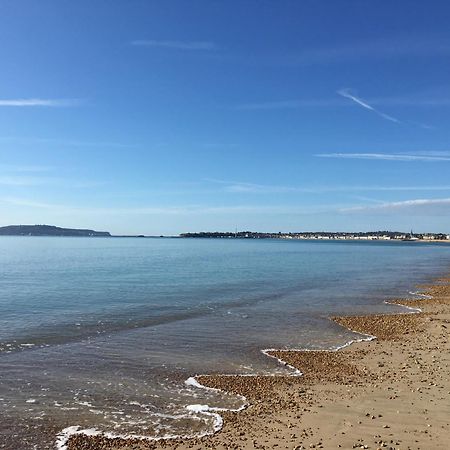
{"points": [[389, 393]]}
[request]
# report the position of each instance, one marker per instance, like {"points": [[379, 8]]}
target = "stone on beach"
{"points": [[387, 393]]}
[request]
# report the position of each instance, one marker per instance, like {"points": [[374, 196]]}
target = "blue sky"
{"points": [[160, 117]]}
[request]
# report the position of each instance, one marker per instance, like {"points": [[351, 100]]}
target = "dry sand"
{"points": [[390, 393]]}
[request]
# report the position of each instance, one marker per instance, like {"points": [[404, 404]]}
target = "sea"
{"points": [[105, 334]]}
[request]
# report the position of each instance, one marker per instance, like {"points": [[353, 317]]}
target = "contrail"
{"points": [[347, 94]]}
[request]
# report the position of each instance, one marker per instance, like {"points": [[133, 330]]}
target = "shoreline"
{"points": [[321, 372]]}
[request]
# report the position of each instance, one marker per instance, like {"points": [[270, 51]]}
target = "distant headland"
{"points": [[49, 230]]}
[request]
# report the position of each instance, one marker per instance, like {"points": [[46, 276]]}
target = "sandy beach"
{"points": [[388, 393]]}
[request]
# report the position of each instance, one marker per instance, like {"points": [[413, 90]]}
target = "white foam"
{"points": [[171, 416], [86, 404], [63, 436], [66, 433], [419, 294], [409, 308], [208, 411], [297, 373], [91, 432], [197, 408], [191, 381], [138, 404], [366, 338]]}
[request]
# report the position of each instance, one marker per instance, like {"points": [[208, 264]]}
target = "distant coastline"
{"points": [[327, 235], [49, 230]]}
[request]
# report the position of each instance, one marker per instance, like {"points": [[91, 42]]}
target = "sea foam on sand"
{"points": [[206, 410]]}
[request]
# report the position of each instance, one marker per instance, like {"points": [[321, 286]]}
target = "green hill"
{"points": [[48, 230]]}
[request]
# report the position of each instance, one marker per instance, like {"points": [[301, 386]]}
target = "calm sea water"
{"points": [[102, 333]]}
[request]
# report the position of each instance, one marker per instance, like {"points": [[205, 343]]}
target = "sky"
{"points": [[162, 117]]}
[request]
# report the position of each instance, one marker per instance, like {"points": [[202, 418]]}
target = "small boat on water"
{"points": [[410, 238]]}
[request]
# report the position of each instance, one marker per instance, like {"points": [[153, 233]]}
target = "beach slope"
{"points": [[391, 392]]}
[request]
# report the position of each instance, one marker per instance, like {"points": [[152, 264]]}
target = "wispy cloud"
{"points": [[28, 203], [385, 156], [346, 93], [17, 168], [412, 100], [371, 50], [29, 102], [159, 210], [176, 45], [440, 206], [436, 98], [16, 180], [28, 181], [253, 188], [27, 176], [290, 104], [64, 142]]}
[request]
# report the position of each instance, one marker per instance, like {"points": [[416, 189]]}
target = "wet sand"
{"points": [[390, 393]]}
